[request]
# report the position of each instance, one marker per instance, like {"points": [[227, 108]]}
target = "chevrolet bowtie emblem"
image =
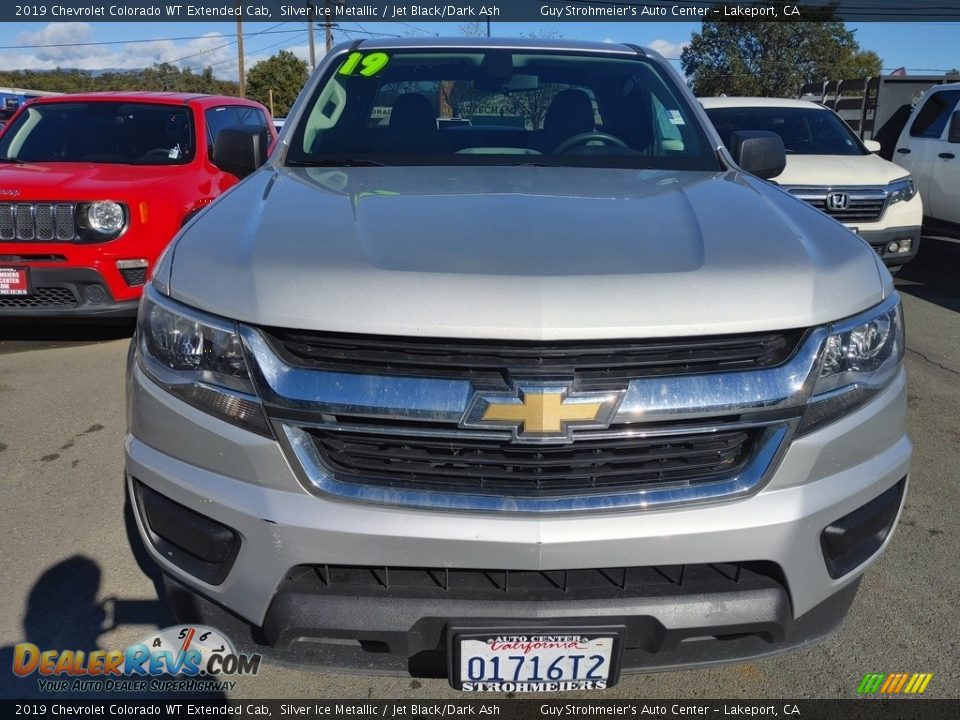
{"points": [[541, 413]]}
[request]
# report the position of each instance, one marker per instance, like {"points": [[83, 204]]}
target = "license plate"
{"points": [[14, 281], [535, 661]]}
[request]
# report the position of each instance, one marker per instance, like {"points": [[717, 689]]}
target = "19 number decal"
{"points": [[366, 65]]}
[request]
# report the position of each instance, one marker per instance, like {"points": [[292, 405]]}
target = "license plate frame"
{"points": [[24, 272], [456, 636]]}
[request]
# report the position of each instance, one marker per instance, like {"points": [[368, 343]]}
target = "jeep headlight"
{"points": [[199, 358], [99, 221], [901, 190], [861, 356]]}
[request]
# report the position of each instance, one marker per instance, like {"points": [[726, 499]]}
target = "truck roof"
{"points": [[164, 98], [504, 43], [732, 102]]}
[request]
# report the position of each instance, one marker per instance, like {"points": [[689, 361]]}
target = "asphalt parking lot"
{"points": [[68, 578]]}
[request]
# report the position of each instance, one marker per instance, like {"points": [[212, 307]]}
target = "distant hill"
{"points": [[161, 76]]}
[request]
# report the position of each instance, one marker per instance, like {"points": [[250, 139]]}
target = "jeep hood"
{"points": [[839, 171], [78, 181], [518, 253]]}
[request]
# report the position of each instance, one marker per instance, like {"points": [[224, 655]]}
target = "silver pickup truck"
{"points": [[527, 402]]}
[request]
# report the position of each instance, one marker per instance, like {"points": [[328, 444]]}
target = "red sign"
{"points": [[14, 281]]}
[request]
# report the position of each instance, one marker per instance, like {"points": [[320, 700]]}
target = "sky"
{"points": [[922, 48]]}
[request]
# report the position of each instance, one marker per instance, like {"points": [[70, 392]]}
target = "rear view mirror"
{"points": [[240, 150], [953, 134], [872, 145], [759, 152]]}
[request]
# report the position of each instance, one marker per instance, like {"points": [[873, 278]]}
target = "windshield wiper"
{"points": [[335, 162], [11, 161]]}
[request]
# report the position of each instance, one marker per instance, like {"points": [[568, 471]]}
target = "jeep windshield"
{"points": [[805, 131], [499, 107], [100, 132]]}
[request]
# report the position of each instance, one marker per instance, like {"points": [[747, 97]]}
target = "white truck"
{"points": [[829, 167], [928, 149]]}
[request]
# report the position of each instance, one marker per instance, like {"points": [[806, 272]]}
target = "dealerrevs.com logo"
{"points": [[184, 658]]}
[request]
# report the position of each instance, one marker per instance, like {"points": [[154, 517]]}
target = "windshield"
{"points": [[805, 131], [499, 107], [100, 132]]}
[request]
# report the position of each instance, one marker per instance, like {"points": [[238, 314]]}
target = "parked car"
{"points": [[94, 186], [278, 124], [525, 408], [829, 167], [929, 148]]}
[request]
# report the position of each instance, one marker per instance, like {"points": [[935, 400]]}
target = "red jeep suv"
{"points": [[94, 186]]}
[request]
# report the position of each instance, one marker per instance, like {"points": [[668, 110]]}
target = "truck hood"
{"points": [[839, 170], [518, 253], [78, 181]]}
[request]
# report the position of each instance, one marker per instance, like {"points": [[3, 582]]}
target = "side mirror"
{"points": [[872, 145], [759, 152], [240, 150], [953, 134]]}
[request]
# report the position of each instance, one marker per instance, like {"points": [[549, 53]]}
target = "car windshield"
{"points": [[100, 132], [499, 107], [805, 131]]}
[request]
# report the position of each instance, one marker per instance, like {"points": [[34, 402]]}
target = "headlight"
{"points": [[861, 356], [901, 190], [98, 221], [199, 358]]}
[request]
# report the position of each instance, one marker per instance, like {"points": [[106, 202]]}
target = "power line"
{"points": [[286, 42], [418, 29], [221, 47]]}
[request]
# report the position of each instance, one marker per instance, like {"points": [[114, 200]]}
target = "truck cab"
{"points": [[832, 169], [928, 147]]}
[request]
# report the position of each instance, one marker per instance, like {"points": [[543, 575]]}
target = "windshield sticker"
{"points": [[675, 117], [365, 65]]}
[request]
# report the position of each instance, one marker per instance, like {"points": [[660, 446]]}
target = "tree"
{"points": [[773, 59], [285, 74]]}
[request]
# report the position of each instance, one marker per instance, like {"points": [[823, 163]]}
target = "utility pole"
{"points": [[313, 51], [328, 24], [243, 76]]}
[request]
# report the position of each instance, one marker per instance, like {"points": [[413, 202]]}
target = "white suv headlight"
{"points": [[199, 358], [901, 190], [862, 355]]}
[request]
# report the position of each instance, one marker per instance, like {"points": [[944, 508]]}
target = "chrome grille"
{"points": [[37, 221], [864, 204], [393, 430], [501, 467]]}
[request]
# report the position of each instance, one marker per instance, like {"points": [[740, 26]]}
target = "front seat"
{"points": [[413, 124], [570, 113]]}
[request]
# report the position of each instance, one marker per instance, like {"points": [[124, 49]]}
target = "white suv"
{"points": [[833, 170], [928, 148]]}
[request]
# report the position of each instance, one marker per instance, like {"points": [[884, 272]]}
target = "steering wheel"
{"points": [[157, 152], [584, 138]]}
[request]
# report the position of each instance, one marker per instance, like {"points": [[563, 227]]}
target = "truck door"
{"points": [[945, 184], [918, 146]]}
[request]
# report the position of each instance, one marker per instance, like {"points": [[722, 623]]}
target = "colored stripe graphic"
{"points": [[894, 683], [871, 683]]}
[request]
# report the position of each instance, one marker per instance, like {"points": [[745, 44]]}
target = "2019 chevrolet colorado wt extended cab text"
{"points": [[524, 403]]}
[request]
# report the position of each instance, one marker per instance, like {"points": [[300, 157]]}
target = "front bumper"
{"points": [[245, 482], [65, 293], [880, 240]]}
